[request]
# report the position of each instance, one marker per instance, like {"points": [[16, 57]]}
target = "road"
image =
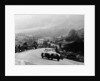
{"points": [[33, 57]]}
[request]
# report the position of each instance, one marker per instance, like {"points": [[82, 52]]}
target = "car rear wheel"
{"points": [[57, 59]]}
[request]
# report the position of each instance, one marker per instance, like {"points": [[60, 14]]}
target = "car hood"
{"points": [[51, 52]]}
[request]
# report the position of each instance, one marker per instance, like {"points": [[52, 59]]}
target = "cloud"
{"points": [[37, 22]]}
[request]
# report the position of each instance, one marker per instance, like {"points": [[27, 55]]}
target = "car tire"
{"points": [[48, 58], [42, 55], [58, 59], [51, 58]]}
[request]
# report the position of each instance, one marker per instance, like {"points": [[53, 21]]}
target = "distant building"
{"points": [[40, 41]]}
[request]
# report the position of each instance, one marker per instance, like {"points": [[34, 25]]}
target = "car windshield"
{"points": [[49, 50]]}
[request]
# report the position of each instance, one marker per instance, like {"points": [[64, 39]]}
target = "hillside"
{"points": [[70, 34], [75, 35]]}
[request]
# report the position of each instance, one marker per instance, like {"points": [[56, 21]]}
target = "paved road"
{"points": [[33, 57]]}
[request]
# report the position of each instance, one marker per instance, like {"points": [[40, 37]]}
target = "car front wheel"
{"points": [[42, 55]]}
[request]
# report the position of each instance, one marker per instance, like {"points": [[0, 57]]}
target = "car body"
{"points": [[50, 53]]}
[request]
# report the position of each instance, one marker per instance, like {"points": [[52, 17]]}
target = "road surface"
{"points": [[33, 57]]}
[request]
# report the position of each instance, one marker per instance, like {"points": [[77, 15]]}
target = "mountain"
{"points": [[75, 35], [61, 29], [22, 38], [77, 38], [53, 27]]}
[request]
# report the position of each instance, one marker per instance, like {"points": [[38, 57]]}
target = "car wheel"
{"points": [[57, 59], [48, 58], [51, 58], [42, 55]]}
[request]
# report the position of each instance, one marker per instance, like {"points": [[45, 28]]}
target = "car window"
{"points": [[49, 50], [46, 50]]}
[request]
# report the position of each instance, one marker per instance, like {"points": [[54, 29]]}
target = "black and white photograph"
{"points": [[49, 39]]}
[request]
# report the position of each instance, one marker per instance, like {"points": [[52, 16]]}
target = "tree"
{"points": [[25, 46], [16, 48], [35, 44], [19, 48], [72, 36], [76, 47]]}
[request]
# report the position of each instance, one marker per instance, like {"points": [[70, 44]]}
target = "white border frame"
{"points": [[88, 69]]}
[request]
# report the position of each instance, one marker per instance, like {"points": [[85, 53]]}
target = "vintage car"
{"points": [[50, 53]]}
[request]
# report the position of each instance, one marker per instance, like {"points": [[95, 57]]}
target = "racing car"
{"points": [[50, 53]]}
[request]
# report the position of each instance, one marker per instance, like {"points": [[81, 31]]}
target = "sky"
{"points": [[25, 23]]}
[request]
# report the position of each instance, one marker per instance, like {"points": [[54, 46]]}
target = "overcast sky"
{"points": [[37, 22]]}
